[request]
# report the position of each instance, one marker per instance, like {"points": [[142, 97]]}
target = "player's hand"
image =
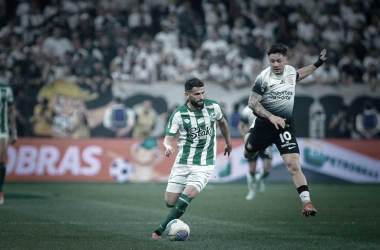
{"points": [[169, 151], [277, 121], [228, 149], [322, 55]]}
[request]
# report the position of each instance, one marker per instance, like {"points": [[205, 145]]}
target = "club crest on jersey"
{"points": [[187, 120], [290, 79], [201, 120], [199, 132], [212, 116]]}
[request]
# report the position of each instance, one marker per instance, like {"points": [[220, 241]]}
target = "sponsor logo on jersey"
{"points": [[187, 120], [199, 132], [281, 95], [201, 120]]}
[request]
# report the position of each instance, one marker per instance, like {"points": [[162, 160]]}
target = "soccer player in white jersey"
{"points": [[196, 123], [6, 109], [272, 100], [254, 177]]}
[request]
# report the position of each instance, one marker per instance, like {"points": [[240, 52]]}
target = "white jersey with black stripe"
{"points": [[277, 91]]}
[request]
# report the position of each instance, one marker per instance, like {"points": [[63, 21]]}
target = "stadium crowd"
{"points": [[95, 43]]}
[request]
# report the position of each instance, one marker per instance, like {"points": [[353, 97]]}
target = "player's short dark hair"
{"points": [[193, 82], [277, 48]]}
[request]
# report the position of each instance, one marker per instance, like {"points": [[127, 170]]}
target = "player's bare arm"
{"points": [[169, 150], [223, 125], [259, 110], [306, 71]]}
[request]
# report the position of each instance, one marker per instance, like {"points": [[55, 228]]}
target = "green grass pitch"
{"points": [[123, 216]]}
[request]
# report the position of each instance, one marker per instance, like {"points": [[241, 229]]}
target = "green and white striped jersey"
{"points": [[6, 99], [197, 140]]}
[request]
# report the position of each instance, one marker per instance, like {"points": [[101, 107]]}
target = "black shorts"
{"points": [[264, 154], [264, 134]]}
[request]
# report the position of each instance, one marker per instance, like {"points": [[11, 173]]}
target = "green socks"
{"points": [[2, 177], [175, 213]]}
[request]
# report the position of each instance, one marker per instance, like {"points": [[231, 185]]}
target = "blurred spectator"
{"points": [[240, 29], [169, 69], [167, 37], [5, 75], [221, 27], [357, 45], [305, 29], [183, 52], [52, 9], [18, 80], [139, 20], [186, 18], [21, 107], [151, 62], [251, 67], [214, 44], [220, 73], [334, 35], [372, 58], [30, 21], [119, 119], [264, 30], [368, 122], [239, 79], [42, 119], [351, 73], [145, 121], [90, 53], [120, 65], [340, 125], [200, 72], [371, 77], [56, 44], [100, 76], [234, 121], [141, 73], [328, 73], [352, 14], [107, 50]]}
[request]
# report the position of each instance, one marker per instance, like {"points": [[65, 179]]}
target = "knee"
{"points": [[248, 155], [293, 167]]}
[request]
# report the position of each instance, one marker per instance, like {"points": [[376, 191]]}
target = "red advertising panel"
{"points": [[94, 160]]}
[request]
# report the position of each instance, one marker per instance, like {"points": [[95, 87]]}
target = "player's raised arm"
{"points": [[259, 110], [306, 71]]}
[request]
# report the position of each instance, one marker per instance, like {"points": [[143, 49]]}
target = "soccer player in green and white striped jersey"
{"points": [[6, 109], [196, 123]]}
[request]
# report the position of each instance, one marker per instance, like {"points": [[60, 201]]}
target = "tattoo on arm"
{"points": [[258, 109]]}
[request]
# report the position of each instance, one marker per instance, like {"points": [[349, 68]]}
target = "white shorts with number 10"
{"points": [[194, 175]]}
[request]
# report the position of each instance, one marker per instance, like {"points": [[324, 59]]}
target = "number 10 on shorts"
{"points": [[286, 136]]}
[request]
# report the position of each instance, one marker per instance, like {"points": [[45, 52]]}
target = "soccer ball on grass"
{"points": [[177, 230]]}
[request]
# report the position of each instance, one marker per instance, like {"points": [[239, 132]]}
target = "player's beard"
{"points": [[197, 104]]}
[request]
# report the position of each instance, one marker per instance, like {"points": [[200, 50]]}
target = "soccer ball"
{"points": [[121, 170], [177, 230]]}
